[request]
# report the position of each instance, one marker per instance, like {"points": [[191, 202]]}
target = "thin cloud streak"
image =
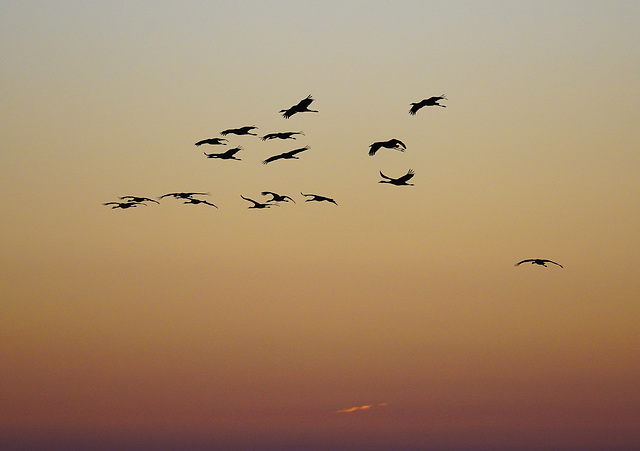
{"points": [[363, 407]]}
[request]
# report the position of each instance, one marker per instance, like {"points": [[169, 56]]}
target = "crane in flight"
{"points": [[281, 135], [318, 198], [194, 201], [400, 180], [227, 155], [291, 155], [239, 131], [538, 261], [394, 144], [137, 199], [275, 197], [301, 107], [257, 204], [124, 205], [431, 101], [213, 142], [183, 195]]}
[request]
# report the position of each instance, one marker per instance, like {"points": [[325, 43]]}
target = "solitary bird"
{"points": [[213, 142], [291, 155], [281, 135], [183, 195], [431, 101], [228, 155], [194, 201], [257, 204], [138, 199], [124, 205], [239, 131], [538, 261], [275, 197], [394, 144], [301, 107], [400, 180], [318, 198]]}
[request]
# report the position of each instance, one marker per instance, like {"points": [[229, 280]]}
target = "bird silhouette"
{"points": [[124, 205], [213, 142], [275, 197], [291, 155], [240, 131], [257, 204], [138, 199], [538, 261], [318, 198], [400, 180], [227, 155], [194, 201], [394, 144], [431, 101], [183, 195], [301, 107], [281, 135]]}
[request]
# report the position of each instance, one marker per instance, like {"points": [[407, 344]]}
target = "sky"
{"points": [[395, 319]]}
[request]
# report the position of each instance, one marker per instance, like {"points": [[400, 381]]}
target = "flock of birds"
{"points": [[188, 198]]}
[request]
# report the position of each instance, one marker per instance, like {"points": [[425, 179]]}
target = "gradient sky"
{"points": [[189, 327]]}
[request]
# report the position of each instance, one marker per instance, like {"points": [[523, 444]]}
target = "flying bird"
{"points": [[281, 135], [400, 180], [275, 197], [431, 101], [286, 155], [124, 205], [137, 199], [318, 198], [213, 142], [394, 144], [301, 107], [194, 201], [183, 195], [538, 261], [257, 204], [227, 155], [240, 131]]}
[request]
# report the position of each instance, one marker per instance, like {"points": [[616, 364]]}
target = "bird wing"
{"points": [[267, 193], [551, 261], [273, 158], [269, 136], [168, 194], [250, 200], [297, 151], [227, 131], [386, 177], [525, 261], [373, 148], [304, 103], [415, 107], [233, 151], [407, 176], [288, 113]]}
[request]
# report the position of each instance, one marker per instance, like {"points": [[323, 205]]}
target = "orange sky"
{"points": [[189, 327]]}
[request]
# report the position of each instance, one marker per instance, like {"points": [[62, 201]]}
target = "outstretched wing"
{"points": [[524, 261], [297, 151], [250, 200], [407, 176], [273, 158], [550, 261], [415, 107], [386, 177], [397, 142], [304, 103], [373, 148]]}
